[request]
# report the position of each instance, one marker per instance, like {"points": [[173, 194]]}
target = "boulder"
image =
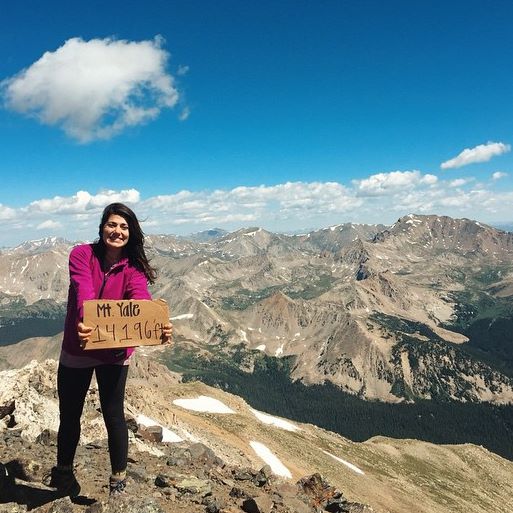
{"points": [[258, 504]]}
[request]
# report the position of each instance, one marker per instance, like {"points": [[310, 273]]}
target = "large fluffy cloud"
{"points": [[382, 184], [94, 89], [480, 153], [262, 203]]}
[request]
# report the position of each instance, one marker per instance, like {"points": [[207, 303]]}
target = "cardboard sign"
{"points": [[125, 322]]}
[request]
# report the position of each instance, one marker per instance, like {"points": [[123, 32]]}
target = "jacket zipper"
{"points": [[103, 285], [105, 276]]}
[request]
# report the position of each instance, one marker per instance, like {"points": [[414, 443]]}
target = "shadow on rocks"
{"points": [[13, 489]]}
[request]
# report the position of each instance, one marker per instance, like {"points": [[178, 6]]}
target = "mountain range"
{"points": [[418, 313]]}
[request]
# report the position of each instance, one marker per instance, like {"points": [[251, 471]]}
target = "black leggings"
{"points": [[72, 386]]}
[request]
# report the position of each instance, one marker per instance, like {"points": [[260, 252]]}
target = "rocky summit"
{"points": [[162, 477], [186, 478], [198, 449]]}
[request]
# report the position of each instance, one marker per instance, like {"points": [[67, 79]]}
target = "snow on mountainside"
{"points": [[41, 245], [443, 233]]}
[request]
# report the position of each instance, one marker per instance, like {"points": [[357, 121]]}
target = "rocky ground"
{"points": [[163, 477], [194, 460], [187, 478]]}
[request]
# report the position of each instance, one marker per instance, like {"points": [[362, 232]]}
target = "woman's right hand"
{"points": [[84, 332]]}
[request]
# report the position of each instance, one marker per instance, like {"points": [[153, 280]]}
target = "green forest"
{"points": [[270, 389]]}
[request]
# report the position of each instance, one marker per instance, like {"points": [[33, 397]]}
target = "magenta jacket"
{"points": [[88, 281]]}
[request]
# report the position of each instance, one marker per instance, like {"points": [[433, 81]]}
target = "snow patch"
{"points": [[279, 351], [181, 316], [274, 421], [354, 468], [253, 232], [203, 404], [24, 267], [261, 347], [276, 465]]}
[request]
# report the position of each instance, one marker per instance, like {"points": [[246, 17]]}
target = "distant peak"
{"points": [[43, 244]]}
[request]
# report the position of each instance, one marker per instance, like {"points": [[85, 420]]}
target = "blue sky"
{"points": [[288, 115]]}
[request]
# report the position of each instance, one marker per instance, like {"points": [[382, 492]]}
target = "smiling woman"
{"points": [[120, 234], [115, 234], [115, 267]]}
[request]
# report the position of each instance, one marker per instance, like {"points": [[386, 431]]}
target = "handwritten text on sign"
{"points": [[125, 323]]}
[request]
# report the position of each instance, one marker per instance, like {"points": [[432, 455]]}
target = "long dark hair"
{"points": [[134, 250]]}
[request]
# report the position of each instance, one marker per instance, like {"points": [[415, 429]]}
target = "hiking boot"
{"points": [[64, 481], [117, 487]]}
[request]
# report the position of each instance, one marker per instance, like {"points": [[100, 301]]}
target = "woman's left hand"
{"points": [[167, 333]]}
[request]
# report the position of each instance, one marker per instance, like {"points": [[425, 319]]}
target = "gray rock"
{"points": [[138, 474], [126, 504], [63, 505], [163, 481], [47, 437], [13, 507], [131, 424], [336, 505], [200, 453], [243, 475], [213, 504], [263, 477], [258, 504], [151, 433], [238, 493], [194, 485]]}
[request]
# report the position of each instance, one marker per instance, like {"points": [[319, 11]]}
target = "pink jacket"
{"points": [[88, 281]]}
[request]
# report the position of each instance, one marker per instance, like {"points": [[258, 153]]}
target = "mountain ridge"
{"points": [[333, 299]]}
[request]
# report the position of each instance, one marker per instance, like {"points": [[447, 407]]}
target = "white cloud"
{"points": [[94, 89], [184, 114], [429, 179], [82, 201], [480, 153], [290, 206], [6, 212], [182, 70], [459, 182], [382, 184], [498, 175], [49, 224], [261, 204]]}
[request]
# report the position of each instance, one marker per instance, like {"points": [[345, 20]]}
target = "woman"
{"points": [[115, 267]]}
